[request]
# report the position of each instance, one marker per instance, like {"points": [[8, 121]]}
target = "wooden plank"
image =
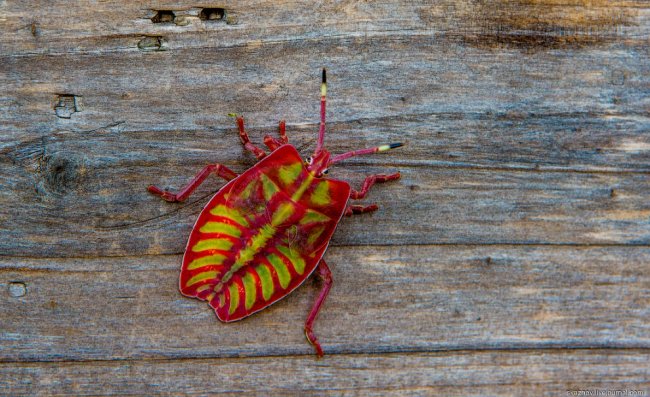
{"points": [[557, 142], [385, 299], [76, 205], [494, 373], [195, 89], [119, 26]]}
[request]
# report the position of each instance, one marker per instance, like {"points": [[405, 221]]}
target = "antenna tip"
{"points": [[383, 148], [324, 76]]}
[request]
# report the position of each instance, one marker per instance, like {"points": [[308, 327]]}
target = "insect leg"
{"points": [[273, 143], [221, 171], [282, 131], [245, 140], [325, 273], [371, 180], [360, 209]]}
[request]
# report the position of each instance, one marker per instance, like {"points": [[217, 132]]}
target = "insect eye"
{"points": [[309, 160], [326, 171]]}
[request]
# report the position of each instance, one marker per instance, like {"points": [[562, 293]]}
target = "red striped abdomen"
{"points": [[261, 235]]}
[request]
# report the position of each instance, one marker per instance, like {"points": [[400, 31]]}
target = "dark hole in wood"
{"points": [[212, 14], [163, 16], [17, 289]]}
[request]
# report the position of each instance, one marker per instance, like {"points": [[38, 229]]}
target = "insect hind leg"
{"points": [[325, 273]]}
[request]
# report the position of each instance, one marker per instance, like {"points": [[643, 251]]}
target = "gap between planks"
{"points": [[407, 352], [424, 245]]}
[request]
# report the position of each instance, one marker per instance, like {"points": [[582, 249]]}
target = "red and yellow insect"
{"points": [[266, 230]]}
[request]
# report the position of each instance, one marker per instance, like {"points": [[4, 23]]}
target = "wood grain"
{"points": [[385, 299], [417, 75], [510, 259], [117, 26], [69, 209], [502, 373]]}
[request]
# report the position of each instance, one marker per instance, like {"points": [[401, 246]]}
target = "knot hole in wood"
{"points": [[212, 14], [163, 16]]}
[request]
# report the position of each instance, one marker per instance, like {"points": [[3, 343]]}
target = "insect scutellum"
{"points": [[321, 160]]}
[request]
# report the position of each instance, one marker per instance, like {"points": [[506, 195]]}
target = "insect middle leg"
{"points": [[371, 180], [273, 143], [325, 273], [245, 140], [221, 171]]}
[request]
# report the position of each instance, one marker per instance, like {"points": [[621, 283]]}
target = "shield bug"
{"points": [[266, 230]]}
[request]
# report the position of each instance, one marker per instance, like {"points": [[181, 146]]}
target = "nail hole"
{"points": [[17, 289], [163, 16], [212, 14]]}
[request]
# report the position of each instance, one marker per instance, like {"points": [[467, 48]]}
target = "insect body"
{"points": [[267, 229]]}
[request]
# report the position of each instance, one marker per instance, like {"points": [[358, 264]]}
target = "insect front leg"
{"points": [[371, 180], [273, 143], [325, 273], [245, 140], [360, 209], [221, 171]]}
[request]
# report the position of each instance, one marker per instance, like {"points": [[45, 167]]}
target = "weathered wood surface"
{"points": [[517, 241], [386, 299], [496, 373]]}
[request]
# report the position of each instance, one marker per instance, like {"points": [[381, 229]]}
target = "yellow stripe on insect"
{"points": [[201, 277], [281, 269], [232, 214], [295, 258], [323, 89], [255, 244], [266, 279], [268, 187], [210, 260], [312, 216], [203, 288], [289, 174], [233, 290], [250, 290], [212, 244], [315, 234], [222, 228], [282, 213], [321, 195]]}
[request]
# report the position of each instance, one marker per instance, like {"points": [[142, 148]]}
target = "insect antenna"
{"points": [[321, 129], [375, 149]]}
